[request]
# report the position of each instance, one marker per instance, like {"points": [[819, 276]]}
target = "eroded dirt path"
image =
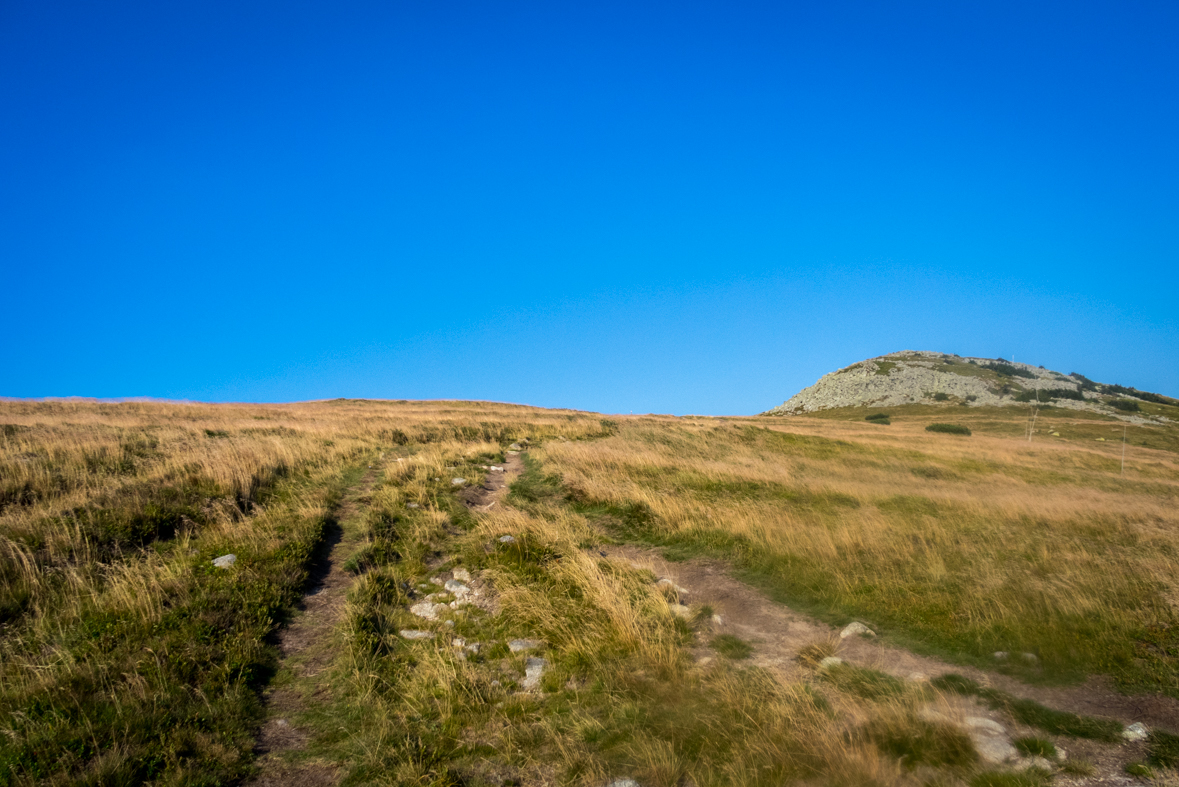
{"points": [[778, 633], [781, 632], [494, 488], [306, 652]]}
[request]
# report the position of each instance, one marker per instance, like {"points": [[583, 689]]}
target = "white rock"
{"points": [[518, 645], [623, 783], [1030, 658], [830, 661], [427, 609], [933, 717], [457, 481], [448, 624], [456, 587], [496, 469], [1136, 732], [1000, 655], [918, 677], [1034, 762], [461, 574], [412, 505], [533, 671], [507, 539], [225, 561], [514, 446], [416, 634], [994, 749], [717, 620], [458, 642], [856, 628], [983, 723], [680, 611]]}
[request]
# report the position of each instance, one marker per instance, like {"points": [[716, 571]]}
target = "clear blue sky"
{"points": [[659, 207]]}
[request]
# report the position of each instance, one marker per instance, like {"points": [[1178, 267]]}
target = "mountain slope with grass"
{"points": [[461, 593], [913, 377]]}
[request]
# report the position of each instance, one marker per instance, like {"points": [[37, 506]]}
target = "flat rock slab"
{"points": [[533, 672], [416, 634], [518, 645], [225, 561], [427, 609]]}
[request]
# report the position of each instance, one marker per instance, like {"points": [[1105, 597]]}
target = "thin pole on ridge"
{"points": [[1124, 427]]}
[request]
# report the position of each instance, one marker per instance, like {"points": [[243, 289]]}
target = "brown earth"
{"points": [[305, 651]]}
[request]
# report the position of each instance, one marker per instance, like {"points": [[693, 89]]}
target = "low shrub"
{"points": [[1125, 405], [1007, 370], [940, 396], [877, 417], [948, 428]]}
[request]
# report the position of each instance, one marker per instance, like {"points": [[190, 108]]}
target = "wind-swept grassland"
{"points": [[960, 546], [127, 658]]}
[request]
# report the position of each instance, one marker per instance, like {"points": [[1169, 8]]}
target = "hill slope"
{"points": [[911, 377]]}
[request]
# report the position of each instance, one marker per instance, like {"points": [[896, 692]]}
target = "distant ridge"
{"points": [[916, 377]]}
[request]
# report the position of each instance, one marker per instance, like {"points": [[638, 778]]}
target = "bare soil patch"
{"points": [[304, 646]]}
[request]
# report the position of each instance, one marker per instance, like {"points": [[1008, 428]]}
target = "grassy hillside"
{"points": [[127, 657]]}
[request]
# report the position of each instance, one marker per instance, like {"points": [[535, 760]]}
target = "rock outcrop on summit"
{"points": [[915, 377]]}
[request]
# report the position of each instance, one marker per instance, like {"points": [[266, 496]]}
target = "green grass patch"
{"points": [[1032, 777], [1163, 749], [868, 684], [948, 428], [1032, 713], [917, 742], [1035, 747], [731, 647]]}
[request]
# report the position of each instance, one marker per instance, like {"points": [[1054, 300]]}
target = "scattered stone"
{"points": [[496, 469], [473, 648], [856, 628], [438, 580], [918, 677], [496, 684], [461, 574], [829, 662], [1034, 762], [427, 609], [458, 481], [717, 620], [412, 505], [680, 611], [1061, 754], [994, 749], [457, 588], [1000, 655], [514, 447], [448, 624], [507, 539], [705, 660], [933, 717], [1030, 658], [533, 671], [1136, 732], [666, 584], [983, 723], [458, 642], [416, 634], [623, 783], [225, 561], [518, 645], [282, 723]]}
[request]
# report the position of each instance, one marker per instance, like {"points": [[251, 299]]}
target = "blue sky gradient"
{"points": [[658, 207]]}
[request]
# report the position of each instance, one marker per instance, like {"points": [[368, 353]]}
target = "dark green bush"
{"points": [[1008, 370], [940, 396], [1125, 405], [877, 417], [948, 428]]}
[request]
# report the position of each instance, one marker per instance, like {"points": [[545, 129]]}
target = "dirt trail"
{"points": [[495, 485], [779, 633], [305, 649]]}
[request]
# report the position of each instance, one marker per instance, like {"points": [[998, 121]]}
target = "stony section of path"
{"points": [[305, 651], [495, 485], [778, 633]]}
